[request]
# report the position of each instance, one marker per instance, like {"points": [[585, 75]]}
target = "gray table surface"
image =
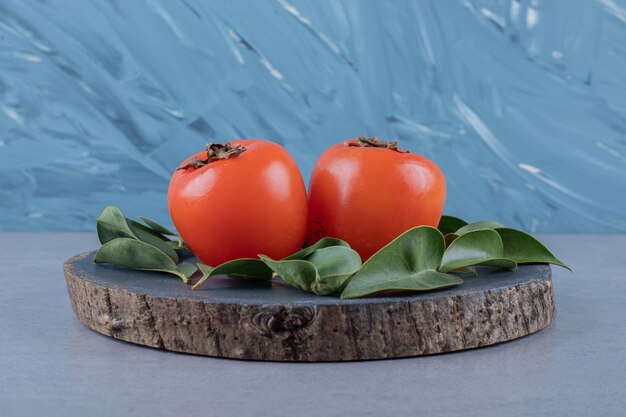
{"points": [[52, 365]]}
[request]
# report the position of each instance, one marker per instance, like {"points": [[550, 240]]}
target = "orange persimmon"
{"points": [[367, 192], [239, 200]]}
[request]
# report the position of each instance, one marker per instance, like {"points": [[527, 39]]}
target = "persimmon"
{"points": [[239, 200], [367, 192]]}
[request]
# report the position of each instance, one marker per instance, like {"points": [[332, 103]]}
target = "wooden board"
{"points": [[272, 321]]}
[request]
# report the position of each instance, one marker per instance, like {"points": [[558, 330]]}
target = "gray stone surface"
{"points": [[52, 365]]}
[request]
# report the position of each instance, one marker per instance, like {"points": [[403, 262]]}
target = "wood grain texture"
{"points": [[270, 321]]}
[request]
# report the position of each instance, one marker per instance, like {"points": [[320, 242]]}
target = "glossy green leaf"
{"points": [[112, 224], [330, 284], [177, 244], [138, 226], [153, 238], [449, 238], [297, 272], [187, 268], [450, 224], [478, 226], [300, 273], [524, 248], [205, 269], [335, 260], [478, 247], [502, 263], [206, 274], [157, 227], [245, 268], [160, 229], [320, 244], [324, 271], [409, 263], [427, 280], [136, 254], [466, 270], [334, 267]]}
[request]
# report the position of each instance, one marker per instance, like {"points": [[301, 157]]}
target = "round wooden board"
{"points": [[272, 321]]}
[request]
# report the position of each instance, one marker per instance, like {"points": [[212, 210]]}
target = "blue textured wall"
{"points": [[522, 103]]}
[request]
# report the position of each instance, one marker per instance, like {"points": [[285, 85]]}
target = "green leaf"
{"points": [[335, 260], [467, 270], [332, 255], [112, 224], [187, 268], [177, 244], [334, 267], [409, 263], [450, 224], [449, 238], [323, 271], [502, 263], [136, 254], [330, 284], [245, 268], [478, 247], [157, 227], [320, 244], [478, 226], [299, 273], [205, 269], [427, 280], [524, 248], [153, 238], [138, 226], [206, 274]]}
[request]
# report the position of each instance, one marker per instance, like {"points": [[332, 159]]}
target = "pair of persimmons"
{"points": [[248, 197]]}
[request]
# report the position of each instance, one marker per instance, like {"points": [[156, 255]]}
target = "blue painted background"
{"points": [[522, 103]]}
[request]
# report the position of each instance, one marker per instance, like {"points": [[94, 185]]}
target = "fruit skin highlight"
{"points": [[367, 192], [252, 202]]}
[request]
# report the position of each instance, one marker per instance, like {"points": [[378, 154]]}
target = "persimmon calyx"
{"points": [[214, 152], [374, 142]]}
